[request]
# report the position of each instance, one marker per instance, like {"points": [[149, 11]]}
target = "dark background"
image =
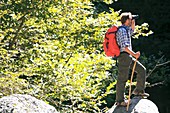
{"points": [[157, 14]]}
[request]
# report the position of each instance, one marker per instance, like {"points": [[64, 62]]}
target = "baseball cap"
{"points": [[129, 15], [135, 17]]}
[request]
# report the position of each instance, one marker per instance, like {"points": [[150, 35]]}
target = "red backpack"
{"points": [[110, 45]]}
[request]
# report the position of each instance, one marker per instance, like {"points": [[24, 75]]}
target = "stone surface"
{"points": [[18, 103], [138, 105]]}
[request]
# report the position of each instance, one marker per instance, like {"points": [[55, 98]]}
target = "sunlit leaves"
{"points": [[142, 30]]}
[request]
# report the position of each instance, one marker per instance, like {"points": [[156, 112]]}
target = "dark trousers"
{"points": [[126, 62]]}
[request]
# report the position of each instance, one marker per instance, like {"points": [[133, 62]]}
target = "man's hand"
{"points": [[133, 24], [137, 55]]}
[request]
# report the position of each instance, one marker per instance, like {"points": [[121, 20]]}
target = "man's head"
{"points": [[126, 18]]}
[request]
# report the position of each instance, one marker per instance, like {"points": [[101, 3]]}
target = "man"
{"points": [[126, 60]]}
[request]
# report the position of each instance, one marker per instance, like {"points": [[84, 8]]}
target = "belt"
{"points": [[123, 52]]}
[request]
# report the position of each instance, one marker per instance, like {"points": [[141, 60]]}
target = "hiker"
{"points": [[126, 60]]}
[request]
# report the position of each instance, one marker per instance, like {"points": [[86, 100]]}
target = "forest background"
{"points": [[53, 50]]}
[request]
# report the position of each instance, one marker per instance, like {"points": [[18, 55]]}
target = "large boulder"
{"points": [[18, 103], [138, 105]]}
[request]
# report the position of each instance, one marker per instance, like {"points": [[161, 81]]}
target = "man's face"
{"points": [[129, 22]]}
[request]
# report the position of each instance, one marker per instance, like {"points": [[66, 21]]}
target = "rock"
{"points": [[138, 105], [18, 103]]}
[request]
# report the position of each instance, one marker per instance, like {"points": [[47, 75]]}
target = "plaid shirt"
{"points": [[123, 39]]}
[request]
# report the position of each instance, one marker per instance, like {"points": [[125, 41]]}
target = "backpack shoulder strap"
{"points": [[124, 28]]}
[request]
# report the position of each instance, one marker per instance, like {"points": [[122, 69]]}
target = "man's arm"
{"points": [[128, 50]]}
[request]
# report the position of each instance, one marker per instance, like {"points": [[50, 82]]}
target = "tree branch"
{"points": [[157, 65], [11, 43], [163, 63], [158, 83]]}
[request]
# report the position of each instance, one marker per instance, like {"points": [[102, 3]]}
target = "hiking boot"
{"points": [[143, 94], [123, 104]]}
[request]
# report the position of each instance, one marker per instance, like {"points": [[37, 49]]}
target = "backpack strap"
{"points": [[125, 29]]}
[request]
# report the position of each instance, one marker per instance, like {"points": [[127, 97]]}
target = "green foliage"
{"points": [[142, 30], [53, 50]]}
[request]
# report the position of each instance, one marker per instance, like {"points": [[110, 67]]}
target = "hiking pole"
{"points": [[130, 88]]}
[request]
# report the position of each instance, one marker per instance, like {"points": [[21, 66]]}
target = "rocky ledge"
{"points": [[18, 103], [137, 105]]}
